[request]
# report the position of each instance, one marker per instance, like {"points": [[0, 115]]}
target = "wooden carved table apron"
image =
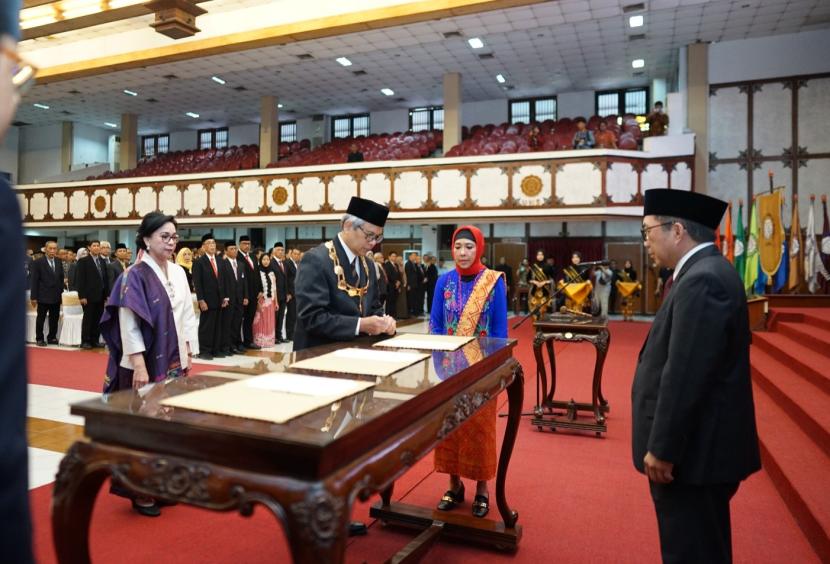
{"points": [[569, 329], [307, 471]]}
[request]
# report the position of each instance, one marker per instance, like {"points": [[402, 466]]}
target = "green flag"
{"points": [[740, 240], [752, 256]]}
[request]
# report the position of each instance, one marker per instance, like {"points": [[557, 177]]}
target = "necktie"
{"points": [[282, 267], [354, 271], [52, 264], [213, 264], [667, 286], [100, 268], [235, 275], [250, 263]]}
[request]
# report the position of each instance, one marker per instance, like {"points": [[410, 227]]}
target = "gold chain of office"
{"points": [[353, 291]]}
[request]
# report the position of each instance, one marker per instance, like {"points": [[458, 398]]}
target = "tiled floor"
{"points": [[52, 429]]}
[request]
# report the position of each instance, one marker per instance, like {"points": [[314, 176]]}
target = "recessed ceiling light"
{"points": [[500, 78], [279, 105], [217, 80], [344, 61], [194, 115], [388, 91], [110, 124], [638, 63], [41, 106], [475, 42], [636, 21], [130, 93]]}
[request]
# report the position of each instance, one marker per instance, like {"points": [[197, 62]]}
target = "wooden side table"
{"points": [[569, 328]]}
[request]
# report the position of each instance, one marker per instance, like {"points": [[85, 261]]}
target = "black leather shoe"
{"points": [[481, 506], [205, 356], [52, 341], [147, 510], [86, 346], [451, 499], [356, 529], [41, 343], [252, 347]]}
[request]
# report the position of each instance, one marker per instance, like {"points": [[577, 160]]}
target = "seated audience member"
{"points": [[606, 139], [658, 122], [583, 138], [355, 156], [534, 140]]}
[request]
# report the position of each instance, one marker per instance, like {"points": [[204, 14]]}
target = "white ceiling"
{"points": [[561, 46]]}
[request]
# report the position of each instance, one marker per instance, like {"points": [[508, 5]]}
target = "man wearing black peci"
{"points": [[236, 285], [212, 298], [92, 283], [393, 287], [281, 274], [291, 302], [246, 260], [46, 290]]}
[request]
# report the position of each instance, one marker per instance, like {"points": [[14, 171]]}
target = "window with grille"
{"points": [[349, 126], [213, 138], [528, 110], [288, 131], [154, 145], [425, 119], [619, 102]]}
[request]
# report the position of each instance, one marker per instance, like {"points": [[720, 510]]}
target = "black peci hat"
{"points": [[369, 211], [120, 246], [230, 243], [243, 238], [702, 209], [207, 236]]}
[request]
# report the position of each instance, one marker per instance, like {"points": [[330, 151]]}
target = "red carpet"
{"points": [[578, 497], [77, 370]]}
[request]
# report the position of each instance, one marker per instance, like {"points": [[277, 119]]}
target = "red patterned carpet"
{"points": [[578, 496]]}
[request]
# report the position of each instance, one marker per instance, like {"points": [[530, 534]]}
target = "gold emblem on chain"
{"points": [[353, 291]]}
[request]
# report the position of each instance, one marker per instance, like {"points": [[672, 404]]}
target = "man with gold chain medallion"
{"points": [[336, 290]]}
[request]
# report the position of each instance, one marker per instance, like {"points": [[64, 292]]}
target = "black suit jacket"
{"points": [[252, 280], [209, 287], [508, 273], [282, 279], [393, 276], [432, 276], [692, 395], [115, 269], [46, 284], [414, 275], [237, 288], [326, 314], [291, 275], [91, 284]]}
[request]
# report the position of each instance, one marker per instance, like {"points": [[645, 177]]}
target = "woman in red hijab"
{"points": [[469, 301]]}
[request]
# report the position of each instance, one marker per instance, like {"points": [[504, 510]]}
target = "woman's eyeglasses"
{"points": [[24, 73], [167, 237]]}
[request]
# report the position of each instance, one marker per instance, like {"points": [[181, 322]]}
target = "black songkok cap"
{"points": [[244, 238], [120, 246], [230, 244], [367, 210], [699, 208], [278, 244], [207, 236]]}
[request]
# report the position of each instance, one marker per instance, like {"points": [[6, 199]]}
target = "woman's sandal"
{"points": [[481, 506], [451, 499]]}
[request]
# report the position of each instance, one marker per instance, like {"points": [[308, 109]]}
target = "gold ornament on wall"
{"points": [[531, 186], [100, 204], [280, 195]]}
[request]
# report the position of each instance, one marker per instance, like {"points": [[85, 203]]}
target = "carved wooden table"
{"points": [[569, 328], [307, 471]]}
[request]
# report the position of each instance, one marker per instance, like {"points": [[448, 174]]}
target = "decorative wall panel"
{"points": [[681, 177], [620, 183], [533, 185], [654, 176], [59, 205], [410, 189], [488, 186], [39, 205], [78, 205], [375, 186], [727, 122], [100, 203], [122, 203], [195, 199], [814, 179], [772, 131], [251, 196], [222, 198], [310, 194], [579, 184], [341, 189], [449, 188], [729, 183], [814, 115], [170, 199]]}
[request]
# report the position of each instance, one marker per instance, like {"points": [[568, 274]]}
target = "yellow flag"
{"points": [[770, 231], [796, 250]]}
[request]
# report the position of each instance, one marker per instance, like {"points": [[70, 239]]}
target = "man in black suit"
{"points": [[414, 285], [118, 264], [236, 284], [16, 532], [281, 274], [212, 298], [432, 278], [327, 313], [393, 286], [46, 290], [291, 263], [92, 283], [693, 414], [252, 279]]}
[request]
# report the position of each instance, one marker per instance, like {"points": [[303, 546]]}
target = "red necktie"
{"points": [[251, 264], [279, 262], [213, 264], [667, 286]]}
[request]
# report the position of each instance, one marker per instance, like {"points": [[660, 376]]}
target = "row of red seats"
{"points": [[375, 147]]}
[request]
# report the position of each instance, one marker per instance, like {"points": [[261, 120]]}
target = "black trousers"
{"points": [[280, 315], [231, 326], [54, 311], [90, 330], [392, 304], [290, 318], [249, 312], [412, 299], [210, 331], [430, 295], [694, 522]]}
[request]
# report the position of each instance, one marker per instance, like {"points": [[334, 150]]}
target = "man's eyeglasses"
{"points": [[24, 73], [644, 230], [372, 237], [167, 237]]}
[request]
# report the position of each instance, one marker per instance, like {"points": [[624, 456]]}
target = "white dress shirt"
{"points": [[687, 256], [351, 256]]}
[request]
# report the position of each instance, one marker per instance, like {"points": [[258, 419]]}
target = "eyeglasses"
{"points": [[24, 73], [372, 237], [644, 230], [167, 237]]}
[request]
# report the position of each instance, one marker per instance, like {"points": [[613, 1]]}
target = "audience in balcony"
{"points": [[658, 122], [534, 140], [354, 156], [583, 138], [605, 138]]}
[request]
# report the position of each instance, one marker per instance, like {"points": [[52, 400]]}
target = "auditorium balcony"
{"points": [[196, 161]]}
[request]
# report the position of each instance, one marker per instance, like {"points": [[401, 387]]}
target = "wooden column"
{"points": [[452, 110], [269, 130], [698, 104], [67, 142], [128, 148]]}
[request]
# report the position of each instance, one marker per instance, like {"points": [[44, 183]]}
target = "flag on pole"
{"points": [[796, 250], [740, 257], [752, 262], [825, 248], [811, 256], [782, 275], [728, 241]]}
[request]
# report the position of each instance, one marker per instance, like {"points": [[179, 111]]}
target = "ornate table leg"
{"points": [[541, 376], [318, 527], [515, 394], [597, 399], [549, 344], [386, 494]]}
